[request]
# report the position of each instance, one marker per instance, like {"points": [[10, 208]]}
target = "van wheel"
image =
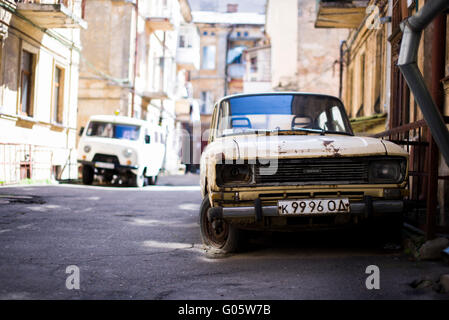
{"points": [[138, 181], [152, 180], [88, 175], [218, 235]]}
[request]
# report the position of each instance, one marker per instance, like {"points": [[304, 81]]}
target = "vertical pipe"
{"points": [[412, 29], [136, 47], [438, 65], [228, 45], [342, 53]]}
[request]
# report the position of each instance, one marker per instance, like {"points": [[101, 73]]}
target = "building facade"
{"points": [[364, 64], [224, 37], [137, 58], [39, 62], [257, 76], [373, 85], [303, 58]]}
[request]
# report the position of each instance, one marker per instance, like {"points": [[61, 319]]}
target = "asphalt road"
{"points": [[131, 243]]}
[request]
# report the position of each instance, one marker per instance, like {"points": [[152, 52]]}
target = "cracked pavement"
{"points": [[144, 243]]}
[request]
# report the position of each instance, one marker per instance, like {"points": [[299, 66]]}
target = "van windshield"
{"points": [[113, 130]]}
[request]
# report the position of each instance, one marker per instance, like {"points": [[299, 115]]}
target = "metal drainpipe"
{"points": [[342, 54], [438, 53], [228, 45], [133, 97], [407, 63]]}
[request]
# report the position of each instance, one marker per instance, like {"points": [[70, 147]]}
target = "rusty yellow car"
{"points": [[290, 161]]}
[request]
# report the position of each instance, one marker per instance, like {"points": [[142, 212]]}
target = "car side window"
{"points": [[213, 124], [337, 119], [322, 120]]}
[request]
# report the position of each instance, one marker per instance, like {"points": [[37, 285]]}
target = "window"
{"points": [[253, 62], [185, 41], [58, 95], [232, 7], [360, 112], [113, 130], [182, 41], [83, 9], [26, 83], [208, 61], [205, 102], [378, 71]]}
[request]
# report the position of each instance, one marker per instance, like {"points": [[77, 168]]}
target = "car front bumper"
{"points": [[116, 167], [367, 208]]}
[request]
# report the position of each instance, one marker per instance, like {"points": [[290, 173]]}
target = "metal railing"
{"points": [[19, 162], [64, 2], [416, 139], [67, 3]]}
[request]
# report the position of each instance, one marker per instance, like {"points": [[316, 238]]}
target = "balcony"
{"points": [[155, 95], [163, 80], [188, 58], [160, 15], [340, 13], [188, 49], [51, 14]]}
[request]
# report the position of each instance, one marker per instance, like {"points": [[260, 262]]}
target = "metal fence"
{"points": [[19, 162], [428, 205]]}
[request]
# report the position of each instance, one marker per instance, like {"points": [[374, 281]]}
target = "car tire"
{"points": [[386, 231], [152, 180], [227, 241], [88, 175], [393, 230]]}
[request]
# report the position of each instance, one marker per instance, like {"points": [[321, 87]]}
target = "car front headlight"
{"points": [[387, 171], [87, 148], [233, 174], [127, 153]]}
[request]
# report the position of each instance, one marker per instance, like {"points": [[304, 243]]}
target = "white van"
{"points": [[121, 147]]}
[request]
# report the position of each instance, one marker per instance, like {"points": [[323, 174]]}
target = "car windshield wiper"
{"points": [[339, 132], [251, 131], [320, 131]]}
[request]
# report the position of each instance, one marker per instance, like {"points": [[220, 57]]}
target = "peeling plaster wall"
{"points": [[37, 138], [318, 52], [107, 49]]}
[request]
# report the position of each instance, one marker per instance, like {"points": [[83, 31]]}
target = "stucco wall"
{"points": [[36, 138]]}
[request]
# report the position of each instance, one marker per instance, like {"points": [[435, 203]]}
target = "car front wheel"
{"points": [[138, 181], [152, 180], [218, 235], [88, 175]]}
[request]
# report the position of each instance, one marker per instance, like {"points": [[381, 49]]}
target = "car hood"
{"points": [[305, 146]]}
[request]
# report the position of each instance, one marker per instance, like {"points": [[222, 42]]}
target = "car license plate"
{"points": [[313, 206], [104, 165]]}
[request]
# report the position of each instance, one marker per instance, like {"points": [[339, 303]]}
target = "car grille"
{"points": [[106, 158], [313, 171]]}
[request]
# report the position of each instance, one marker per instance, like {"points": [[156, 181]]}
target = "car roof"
{"points": [[277, 93], [119, 119]]}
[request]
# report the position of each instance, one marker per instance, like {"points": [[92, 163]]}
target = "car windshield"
{"points": [[280, 113], [113, 130]]}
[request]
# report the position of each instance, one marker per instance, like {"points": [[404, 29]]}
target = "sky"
{"points": [[257, 6]]}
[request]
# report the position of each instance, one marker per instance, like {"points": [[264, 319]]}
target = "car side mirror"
{"points": [[147, 139], [81, 131]]}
